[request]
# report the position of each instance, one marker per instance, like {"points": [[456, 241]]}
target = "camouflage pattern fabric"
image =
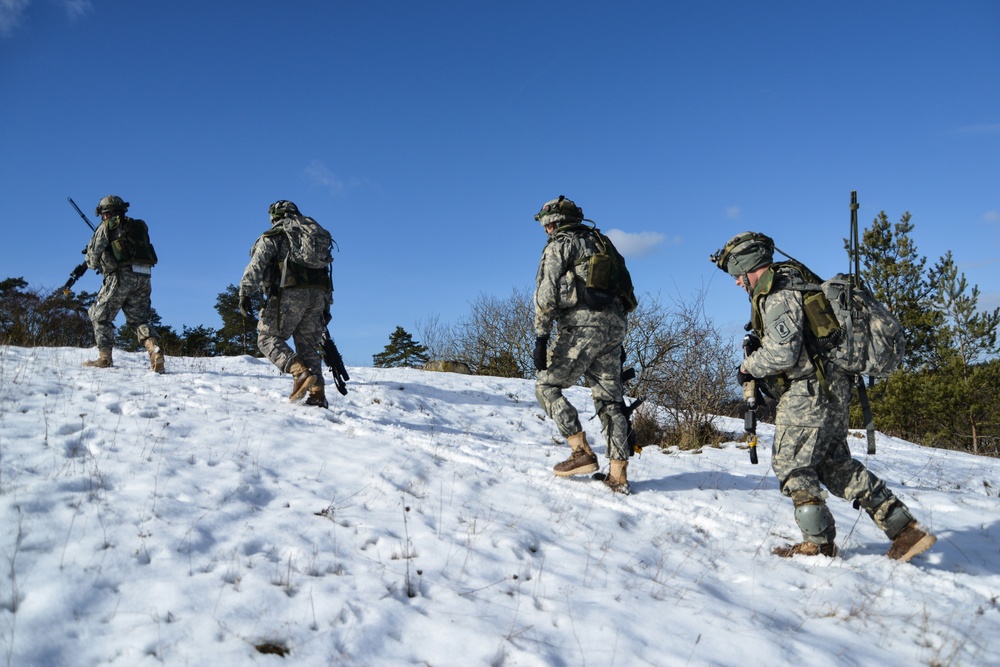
{"points": [[595, 354], [810, 441], [297, 314], [122, 290], [587, 342]]}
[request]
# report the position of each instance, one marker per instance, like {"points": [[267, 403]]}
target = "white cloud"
{"points": [[321, 176], [10, 15], [636, 245], [992, 216], [77, 8], [733, 212]]}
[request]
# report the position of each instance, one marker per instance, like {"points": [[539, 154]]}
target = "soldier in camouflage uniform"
{"points": [[811, 425], [298, 309], [120, 250], [588, 343]]}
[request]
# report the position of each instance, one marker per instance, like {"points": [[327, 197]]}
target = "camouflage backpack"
{"points": [[309, 244]]}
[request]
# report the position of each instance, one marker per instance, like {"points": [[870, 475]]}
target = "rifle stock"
{"points": [[331, 355]]}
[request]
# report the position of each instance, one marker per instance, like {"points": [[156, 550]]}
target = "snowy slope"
{"points": [[187, 518]]}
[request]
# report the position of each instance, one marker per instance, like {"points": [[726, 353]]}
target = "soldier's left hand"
{"points": [[743, 377], [246, 307]]}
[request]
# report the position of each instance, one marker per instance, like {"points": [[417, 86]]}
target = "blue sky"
{"points": [[425, 135]]}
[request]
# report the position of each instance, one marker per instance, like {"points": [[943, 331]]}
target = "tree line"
{"points": [[945, 394]]}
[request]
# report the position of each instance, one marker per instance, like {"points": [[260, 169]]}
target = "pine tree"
{"points": [[402, 350], [238, 335], [966, 343]]}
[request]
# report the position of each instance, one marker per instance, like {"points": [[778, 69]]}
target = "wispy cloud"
{"points": [[637, 245], [10, 15], [992, 216], [77, 8], [979, 128], [733, 212], [322, 176]]}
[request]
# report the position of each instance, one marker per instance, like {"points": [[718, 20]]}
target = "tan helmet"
{"points": [[111, 204], [559, 211]]}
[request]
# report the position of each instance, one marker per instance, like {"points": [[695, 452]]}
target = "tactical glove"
{"points": [[742, 377], [246, 307], [540, 355]]}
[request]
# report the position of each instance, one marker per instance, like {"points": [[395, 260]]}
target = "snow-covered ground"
{"points": [[190, 518]]}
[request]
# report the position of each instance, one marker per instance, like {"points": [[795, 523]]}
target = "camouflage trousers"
{"points": [[122, 291], [297, 314], [595, 354], [810, 449]]}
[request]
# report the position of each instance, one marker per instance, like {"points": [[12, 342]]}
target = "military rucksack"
{"points": [[606, 275], [310, 247], [130, 241], [848, 327]]}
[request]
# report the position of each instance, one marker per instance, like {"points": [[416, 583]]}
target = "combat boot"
{"points": [[302, 380], [806, 549], [581, 461], [911, 541], [155, 354], [103, 360], [317, 397], [616, 479]]}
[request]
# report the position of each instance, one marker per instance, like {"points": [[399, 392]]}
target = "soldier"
{"points": [[588, 341], [811, 425], [290, 264], [120, 250]]}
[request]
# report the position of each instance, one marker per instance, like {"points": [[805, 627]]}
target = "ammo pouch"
{"points": [[596, 292]]}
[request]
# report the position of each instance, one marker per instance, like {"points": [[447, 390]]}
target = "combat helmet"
{"points": [[111, 204], [559, 211], [744, 253], [282, 209]]}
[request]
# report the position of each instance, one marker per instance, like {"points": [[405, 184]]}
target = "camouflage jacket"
{"points": [[559, 286], [779, 319]]}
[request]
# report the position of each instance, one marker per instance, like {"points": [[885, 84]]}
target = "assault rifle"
{"points": [[81, 268], [331, 355], [750, 343]]}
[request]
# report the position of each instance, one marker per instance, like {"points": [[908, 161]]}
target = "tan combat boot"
{"points": [[155, 354], [302, 380], [911, 541], [616, 479], [103, 360], [317, 397], [806, 549], [581, 461]]}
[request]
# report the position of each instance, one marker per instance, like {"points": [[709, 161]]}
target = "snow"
{"points": [[187, 518]]}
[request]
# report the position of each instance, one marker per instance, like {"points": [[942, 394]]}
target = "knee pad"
{"points": [[815, 520]]}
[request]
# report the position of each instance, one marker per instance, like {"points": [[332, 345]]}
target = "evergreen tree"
{"points": [[402, 350], [967, 341], [238, 335], [199, 341]]}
